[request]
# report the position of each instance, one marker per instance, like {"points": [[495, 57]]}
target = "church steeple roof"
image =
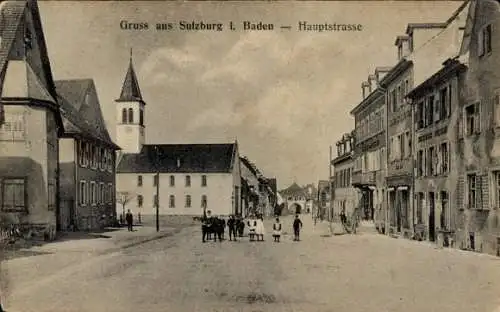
{"points": [[130, 88]]}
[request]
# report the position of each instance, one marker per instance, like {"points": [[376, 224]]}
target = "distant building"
{"points": [[345, 196], [192, 178], [295, 198], [87, 159], [323, 200], [29, 136], [250, 187]]}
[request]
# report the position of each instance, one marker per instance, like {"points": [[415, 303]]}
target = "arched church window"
{"points": [[130, 115], [124, 115]]}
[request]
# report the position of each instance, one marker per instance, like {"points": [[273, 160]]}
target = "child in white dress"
{"points": [[277, 230], [252, 227], [260, 231]]}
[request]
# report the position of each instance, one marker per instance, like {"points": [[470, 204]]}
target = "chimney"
{"points": [[403, 44], [372, 81], [380, 72], [364, 87]]}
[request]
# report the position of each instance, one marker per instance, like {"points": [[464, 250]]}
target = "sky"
{"points": [[284, 95]]}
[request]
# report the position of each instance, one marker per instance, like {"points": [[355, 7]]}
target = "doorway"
{"points": [[432, 225]]}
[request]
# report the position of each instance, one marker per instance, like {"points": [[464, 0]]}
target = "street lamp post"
{"points": [[157, 203]]}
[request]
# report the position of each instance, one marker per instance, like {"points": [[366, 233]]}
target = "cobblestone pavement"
{"points": [[365, 272]]}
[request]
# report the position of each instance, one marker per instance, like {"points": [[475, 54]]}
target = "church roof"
{"points": [[180, 158], [81, 110], [294, 189], [130, 87]]}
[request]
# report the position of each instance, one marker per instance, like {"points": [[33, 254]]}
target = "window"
{"points": [[443, 104], [124, 116], [430, 110], [102, 198], [14, 195], [203, 180], [400, 52], [420, 163], [429, 161], [472, 119], [171, 201], [420, 115], [204, 203], [444, 217], [484, 40], [140, 200], [141, 117], [188, 181], [472, 195], [188, 201], [83, 193], [496, 187], [496, 103], [93, 192], [139, 180], [13, 128], [394, 100], [111, 192], [408, 144], [155, 180], [130, 115], [444, 157], [172, 180]]}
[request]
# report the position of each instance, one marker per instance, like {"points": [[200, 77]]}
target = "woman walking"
{"points": [[277, 230]]}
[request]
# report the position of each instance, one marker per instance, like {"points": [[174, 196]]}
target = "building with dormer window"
{"points": [[87, 159]]}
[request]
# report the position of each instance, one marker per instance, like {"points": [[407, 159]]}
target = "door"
{"points": [[398, 211], [432, 225]]}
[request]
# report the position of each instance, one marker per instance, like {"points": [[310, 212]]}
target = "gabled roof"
{"points": [[130, 87], [180, 158], [39, 82], [469, 27], [82, 117], [294, 189]]}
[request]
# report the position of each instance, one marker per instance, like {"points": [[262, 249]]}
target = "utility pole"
{"points": [[330, 184], [157, 189]]}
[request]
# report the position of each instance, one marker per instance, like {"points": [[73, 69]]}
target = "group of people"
{"points": [[214, 227]]}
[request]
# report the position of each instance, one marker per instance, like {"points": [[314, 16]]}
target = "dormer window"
{"points": [[484, 40]]}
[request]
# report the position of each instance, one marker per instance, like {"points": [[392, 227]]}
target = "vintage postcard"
{"points": [[308, 156]]}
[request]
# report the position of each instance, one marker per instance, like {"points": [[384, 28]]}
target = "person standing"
{"points": [[231, 224], [252, 226], [277, 230], [260, 230], [297, 226], [129, 218]]}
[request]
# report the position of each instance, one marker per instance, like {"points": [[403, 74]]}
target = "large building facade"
{"points": [[479, 131], [399, 179], [369, 149], [438, 161], [181, 179], [29, 148], [346, 198], [87, 159]]}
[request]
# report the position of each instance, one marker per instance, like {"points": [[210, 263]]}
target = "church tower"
{"points": [[130, 129]]}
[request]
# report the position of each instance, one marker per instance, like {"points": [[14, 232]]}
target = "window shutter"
{"points": [[496, 104], [449, 99], [439, 160], [480, 43], [477, 117], [479, 192], [436, 108]]}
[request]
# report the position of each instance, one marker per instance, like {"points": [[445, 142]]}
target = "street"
{"points": [[363, 272]]}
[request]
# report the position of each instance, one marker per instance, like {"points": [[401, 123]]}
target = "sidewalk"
{"points": [[20, 267]]}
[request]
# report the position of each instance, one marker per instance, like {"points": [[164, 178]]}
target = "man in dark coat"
{"points": [[129, 218], [297, 226], [217, 229], [231, 224], [206, 225]]}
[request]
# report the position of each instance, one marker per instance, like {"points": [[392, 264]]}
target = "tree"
{"points": [[123, 198]]}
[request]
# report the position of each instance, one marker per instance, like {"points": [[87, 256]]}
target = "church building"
{"points": [[183, 179]]}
